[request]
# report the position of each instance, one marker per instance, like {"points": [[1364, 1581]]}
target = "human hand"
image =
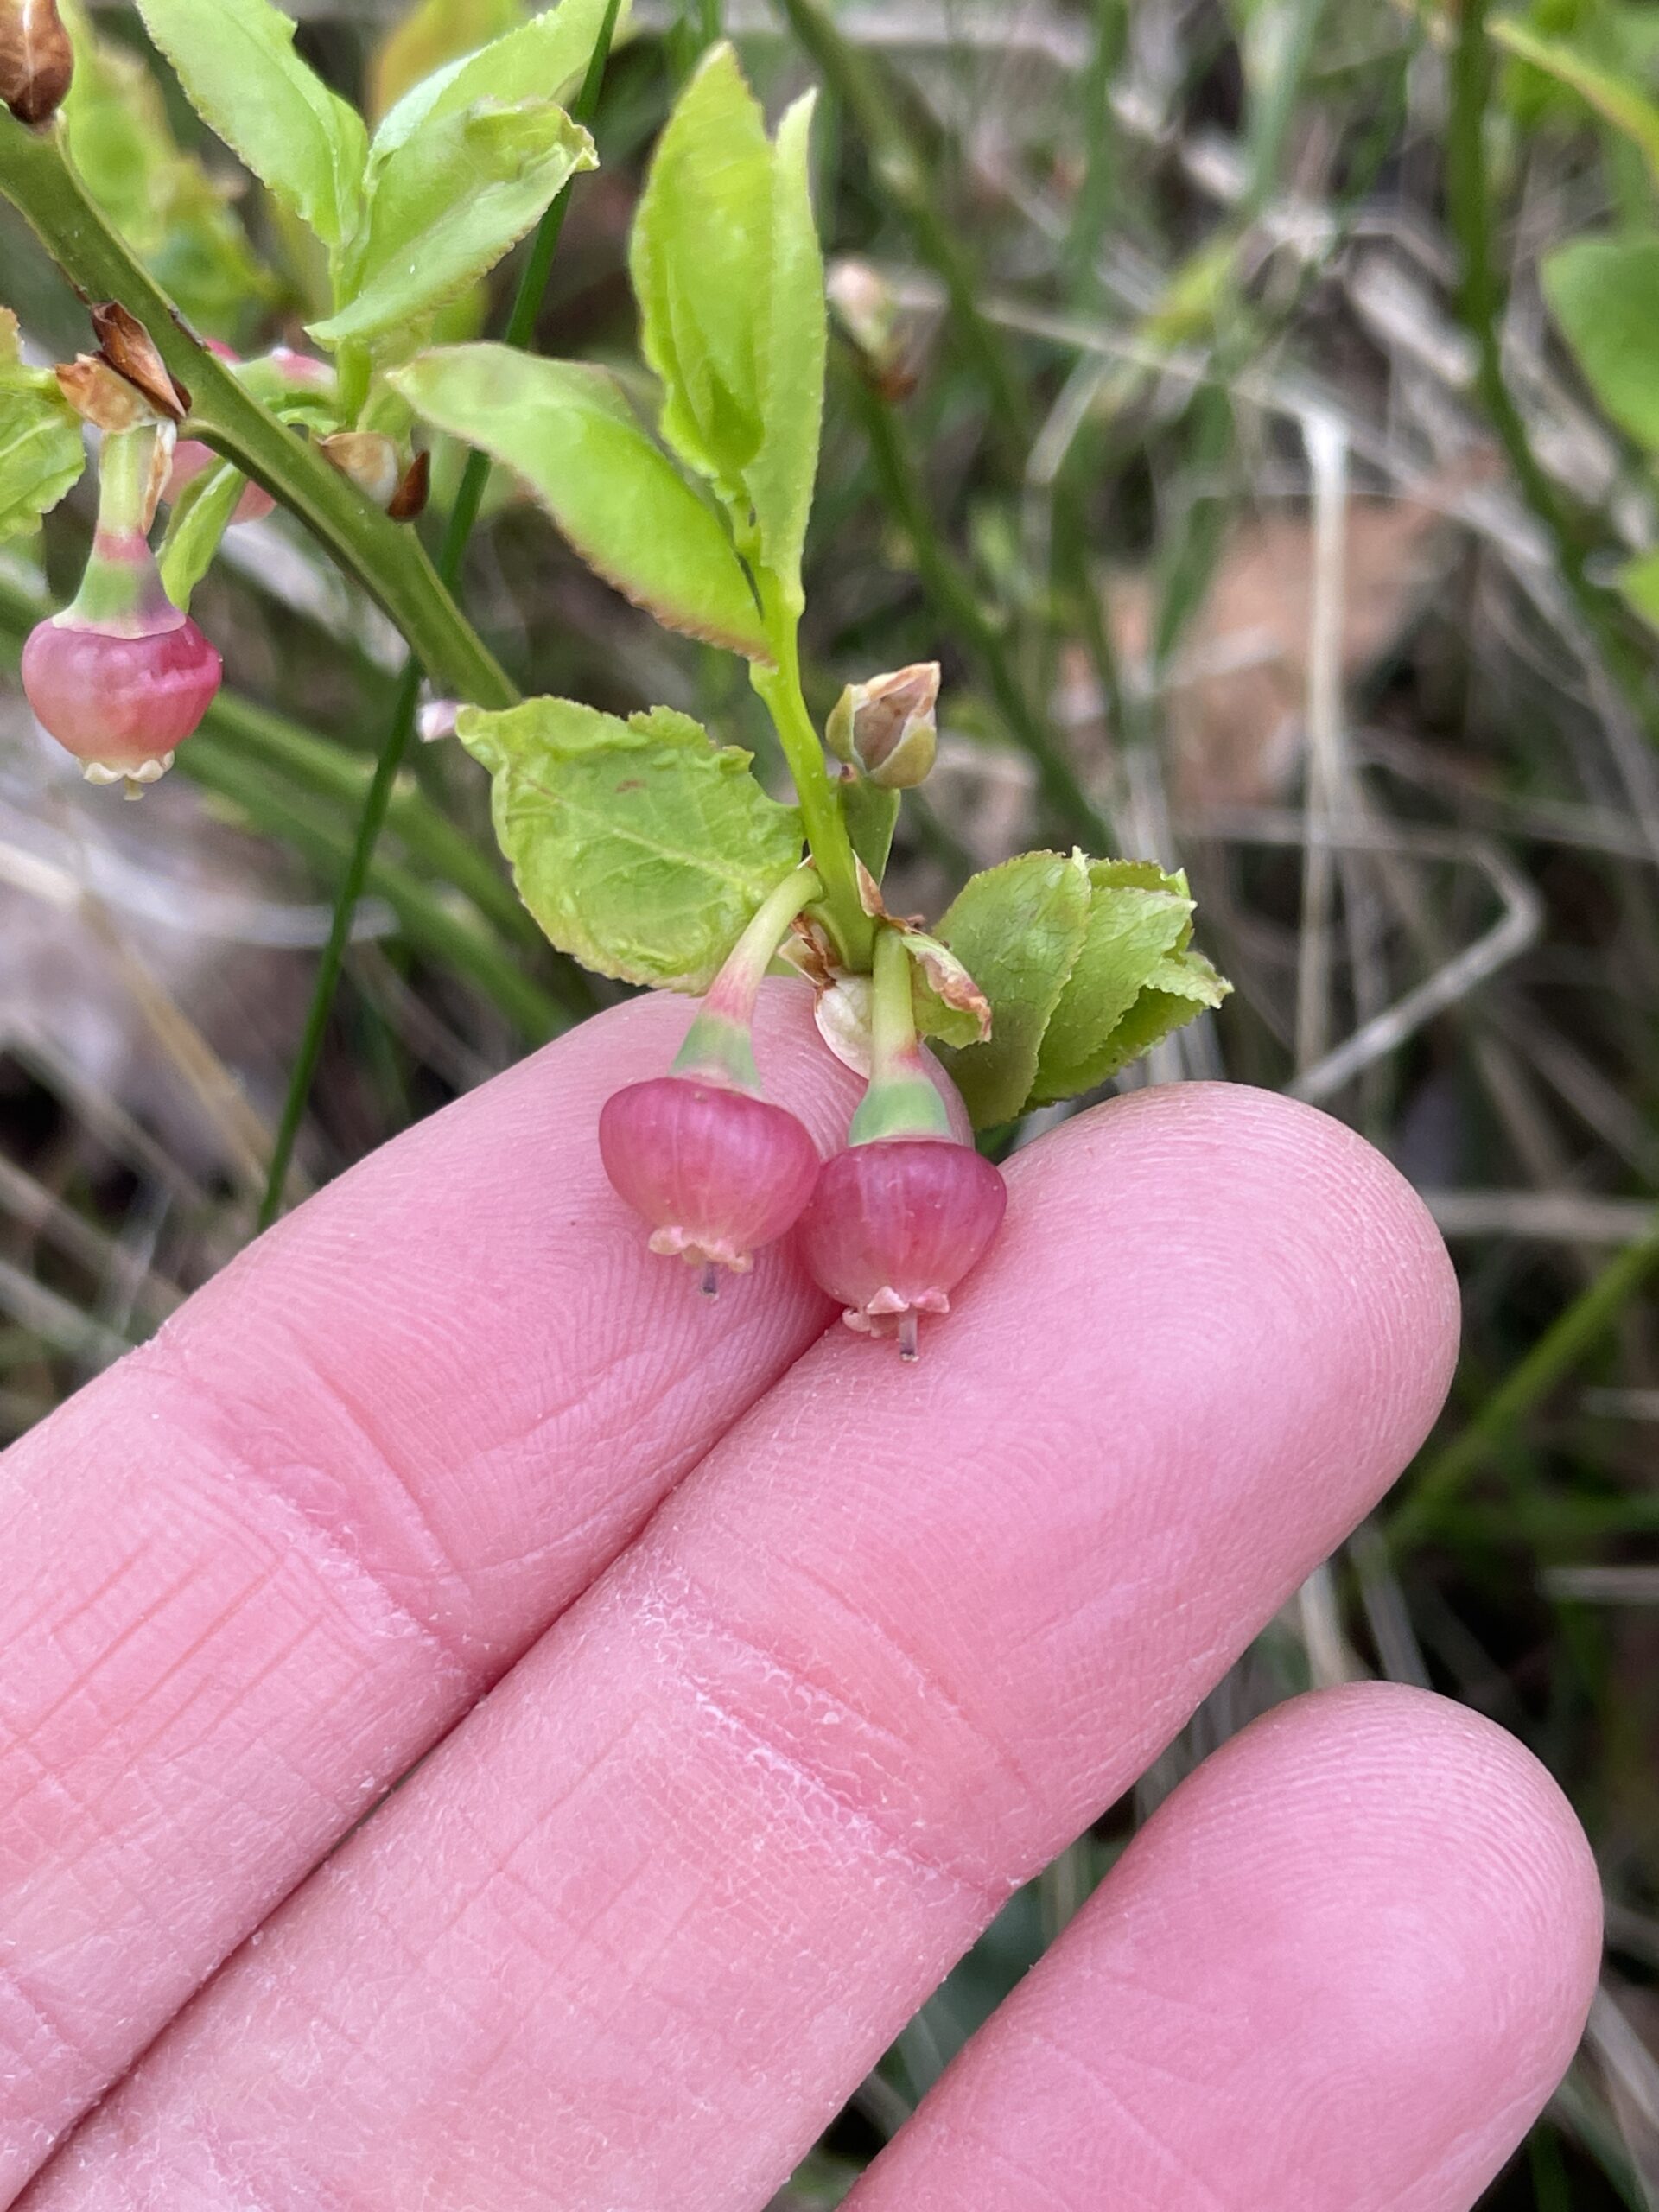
{"points": [[761, 1764]]}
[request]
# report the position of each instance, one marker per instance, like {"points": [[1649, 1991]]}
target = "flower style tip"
{"points": [[894, 1226]]}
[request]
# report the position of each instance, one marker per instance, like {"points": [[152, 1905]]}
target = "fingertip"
{"points": [[1449, 1835], [1342, 1967], [1252, 1210]]}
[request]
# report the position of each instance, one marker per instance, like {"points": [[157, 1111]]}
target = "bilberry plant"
{"points": [[643, 845]]}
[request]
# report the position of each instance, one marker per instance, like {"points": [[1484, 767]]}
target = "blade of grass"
{"points": [[1589, 1317], [521, 324]]}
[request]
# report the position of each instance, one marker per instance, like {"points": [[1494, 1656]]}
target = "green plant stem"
{"points": [[957, 605], [1592, 1313], [386, 559], [902, 1100], [521, 323], [902, 170], [780, 687], [1480, 305]]}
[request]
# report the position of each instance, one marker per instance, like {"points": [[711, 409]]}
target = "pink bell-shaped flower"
{"points": [[716, 1169], [899, 1218]]}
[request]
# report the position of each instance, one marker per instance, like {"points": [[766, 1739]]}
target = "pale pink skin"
{"points": [[894, 1226], [715, 1173], [765, 1762], [122, 701]]}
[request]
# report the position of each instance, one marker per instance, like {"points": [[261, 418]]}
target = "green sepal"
{"points": [[641, 848]]}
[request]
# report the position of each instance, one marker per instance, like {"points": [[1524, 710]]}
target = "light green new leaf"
{"points": [[566, 428], [201, 515], [700, 258], [444, 209], [1018, 929], [1137, 917], [1615, 99], [162, 201], [434, 32], [1086, 964], [780, 477], [641, 848], [235, 61], [41, 450], [541, 60], [1604, 293]]}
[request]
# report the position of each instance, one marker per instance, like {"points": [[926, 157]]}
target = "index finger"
{"points": [[254, 1572]]}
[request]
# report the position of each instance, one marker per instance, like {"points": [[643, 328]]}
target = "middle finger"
{"points": [[632, 1935]]}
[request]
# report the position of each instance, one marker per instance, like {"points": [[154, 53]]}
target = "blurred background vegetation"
{"points": [[1252, 403]]}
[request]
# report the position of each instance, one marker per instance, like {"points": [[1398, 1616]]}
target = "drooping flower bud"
{"points": [[887, 726], [121, 678], [37, 60], [369, 459], [190, 457], [898, 1219], [714, 1167]]}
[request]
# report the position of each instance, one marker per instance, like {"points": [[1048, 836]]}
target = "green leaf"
{"points": [[201, 515], [780, 477], [566, 428], [1086, 964], [444, 209], [640, 847], [541, 60], [42, 453], [729, 278], [1134, 949], [1018, 929], [175, 217], [1615, 99], [1605, 294], [700, 258], [235, 61], [949, 1002], [434, 32]]}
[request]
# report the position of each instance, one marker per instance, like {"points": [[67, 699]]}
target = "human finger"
{"points": [[1341, 1968], [252, 1573], [637, 1929]]}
